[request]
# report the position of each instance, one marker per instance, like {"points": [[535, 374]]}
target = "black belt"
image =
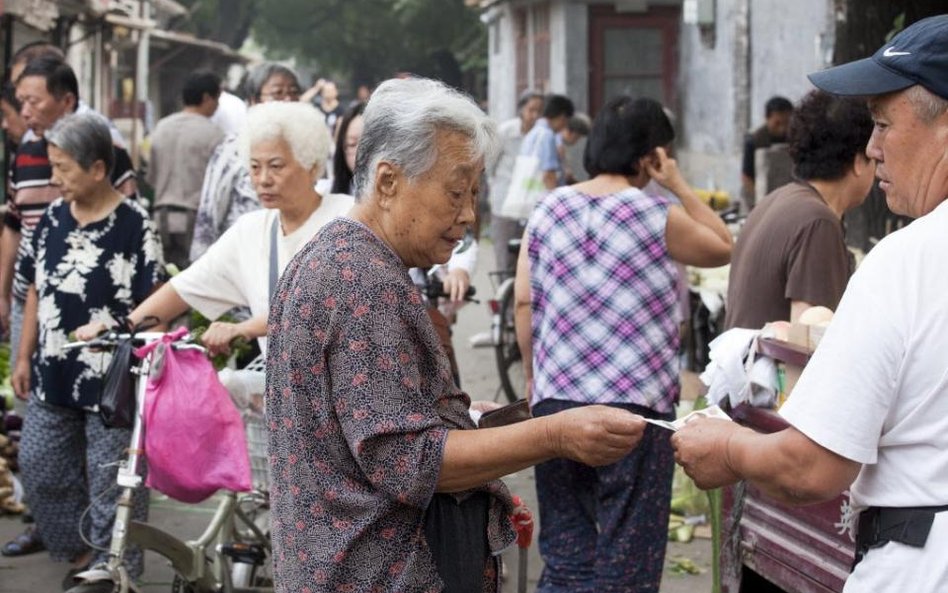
{"points": [[906, 525]]}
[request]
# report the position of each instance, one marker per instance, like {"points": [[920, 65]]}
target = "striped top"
{"points": [[604, 296]]}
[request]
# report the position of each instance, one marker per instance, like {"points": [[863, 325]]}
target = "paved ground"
{"points": [[37, 574]]}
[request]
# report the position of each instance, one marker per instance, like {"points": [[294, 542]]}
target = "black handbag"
{"points": [[117, 400]]}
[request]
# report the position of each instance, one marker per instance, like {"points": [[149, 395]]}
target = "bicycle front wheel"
{"points": [[506, 350]]}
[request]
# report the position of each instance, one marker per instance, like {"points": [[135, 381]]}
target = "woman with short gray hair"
{"points": [[94, 254], [284, 146], [227, 192], [374, 451]]}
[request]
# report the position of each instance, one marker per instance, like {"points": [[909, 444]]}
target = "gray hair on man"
{"points": [[85, 137], [927, 105], [300, 125], [401, 121]]}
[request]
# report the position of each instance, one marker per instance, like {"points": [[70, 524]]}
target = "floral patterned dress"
{"points": [[97, 272], [360, 399]]}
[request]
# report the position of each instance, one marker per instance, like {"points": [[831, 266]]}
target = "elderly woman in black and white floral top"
{"points": [[94, 255]]}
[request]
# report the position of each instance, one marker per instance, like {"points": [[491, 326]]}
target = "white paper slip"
{"points": [[709, 412], [663, 423]]}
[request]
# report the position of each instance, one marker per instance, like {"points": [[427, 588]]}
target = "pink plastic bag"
{"points": [[194, 436]]}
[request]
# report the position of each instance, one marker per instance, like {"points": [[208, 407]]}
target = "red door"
{"points": [[634, 54]]}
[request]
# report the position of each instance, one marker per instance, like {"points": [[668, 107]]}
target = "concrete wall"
{"points": [[501, 64], [760, 48], [569, 51], [569, 55], [710, 96], [755, 49], [786, 49]]}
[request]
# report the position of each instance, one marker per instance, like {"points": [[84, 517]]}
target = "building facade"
{"points": [[714, 63]]}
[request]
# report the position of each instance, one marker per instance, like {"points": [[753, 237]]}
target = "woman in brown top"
{"points": [[791, 253]]}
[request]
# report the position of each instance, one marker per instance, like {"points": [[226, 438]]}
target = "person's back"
{"points": [[181, 146], [607, 292], [792, 248]]}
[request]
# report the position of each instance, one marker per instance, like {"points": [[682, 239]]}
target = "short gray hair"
{"points": [[300, 125], [401, 121], [259, 76], [85, 137], [927, 105]]}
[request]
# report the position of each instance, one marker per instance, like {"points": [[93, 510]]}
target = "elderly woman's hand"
{"points": [[596, 435], [90, 331], [456, 284], [219, 336], [701, 449], [20, 379]]}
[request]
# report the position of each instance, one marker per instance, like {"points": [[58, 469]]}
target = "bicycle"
{"points": [[503, 331], [232, 555]]}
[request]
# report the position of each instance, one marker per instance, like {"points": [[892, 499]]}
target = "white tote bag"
{"points": [[526, 183], [526, 188]]}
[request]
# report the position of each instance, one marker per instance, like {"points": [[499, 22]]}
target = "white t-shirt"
{"points": [[231, 113], [235, 270], [876, 392]]}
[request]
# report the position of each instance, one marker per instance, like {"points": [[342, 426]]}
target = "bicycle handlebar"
{"points": [[435, 290], [110, 338]]}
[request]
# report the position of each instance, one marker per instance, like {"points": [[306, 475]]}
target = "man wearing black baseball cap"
{"points": [[871, 408]]}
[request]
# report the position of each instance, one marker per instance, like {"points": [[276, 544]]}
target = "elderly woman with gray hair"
{"points": [[285, 146], [227, 192], [380, 480], [94, 254]]}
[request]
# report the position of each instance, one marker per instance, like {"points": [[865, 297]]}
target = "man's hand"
{"points": [[456, 284], [701, 448], [20, 379], [219, 335], [595, 435]]}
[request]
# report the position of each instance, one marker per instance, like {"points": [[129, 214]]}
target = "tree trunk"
{"points": [[861, 29]]}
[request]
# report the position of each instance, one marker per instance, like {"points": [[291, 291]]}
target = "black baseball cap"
{"points": [[917, 55]]}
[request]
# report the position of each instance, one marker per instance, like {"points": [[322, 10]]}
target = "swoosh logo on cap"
{"points": [[890, 52]]}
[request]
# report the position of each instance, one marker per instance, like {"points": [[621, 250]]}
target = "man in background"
{"points": [[777, 112], [181, 146]]}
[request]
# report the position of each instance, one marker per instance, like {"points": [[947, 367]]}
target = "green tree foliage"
{"points": [[371, 40], [227, 21]]}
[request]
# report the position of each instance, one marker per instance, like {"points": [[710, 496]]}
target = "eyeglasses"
{"points": [[281, 94]]}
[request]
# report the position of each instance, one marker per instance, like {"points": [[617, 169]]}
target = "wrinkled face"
{"points": [[353, 133], [530, 113], [73, 181], [911, 156], [280, 180], [427, 217], [279, 87], [41, 109], [865, 177], [778, 123], [13, 125]]}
